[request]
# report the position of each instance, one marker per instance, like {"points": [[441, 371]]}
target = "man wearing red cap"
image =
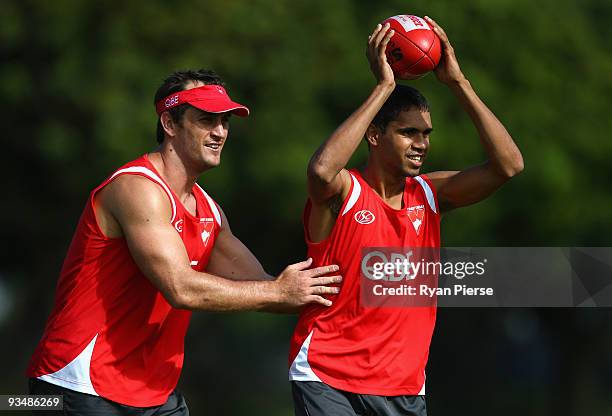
{"points": [[150, 247]]}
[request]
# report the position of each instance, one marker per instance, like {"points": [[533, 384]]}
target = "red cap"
{"points": [[209, 98]]}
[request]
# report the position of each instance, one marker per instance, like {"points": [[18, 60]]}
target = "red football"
{"points": [[414, 49]]}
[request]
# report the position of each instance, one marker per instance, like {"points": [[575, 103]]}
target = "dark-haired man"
{"points": [[352, 359], [150, 247]]}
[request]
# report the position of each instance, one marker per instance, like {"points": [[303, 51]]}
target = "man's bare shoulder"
{"points": [[335, 191], [134, 195]]}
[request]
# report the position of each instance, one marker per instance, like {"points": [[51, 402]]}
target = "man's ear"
{"points": [[372, 135], [168, 124]]}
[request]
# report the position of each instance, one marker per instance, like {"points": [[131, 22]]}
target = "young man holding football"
{"points": [[355, 360]]}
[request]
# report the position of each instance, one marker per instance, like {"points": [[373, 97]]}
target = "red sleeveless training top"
{"points": [[368, 350], [111, 332]]}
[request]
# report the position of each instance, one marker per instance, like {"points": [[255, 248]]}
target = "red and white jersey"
{"points": [[368, 350], [111, 332]]}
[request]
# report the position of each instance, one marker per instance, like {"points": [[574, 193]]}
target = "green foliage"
{"points": [[78, 80]]}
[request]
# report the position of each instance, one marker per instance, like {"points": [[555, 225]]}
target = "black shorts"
{"points": [[81, 404], [311, 398]]}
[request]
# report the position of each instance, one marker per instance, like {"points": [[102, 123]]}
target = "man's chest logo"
{"points": [[416, 214], [207, 225]]}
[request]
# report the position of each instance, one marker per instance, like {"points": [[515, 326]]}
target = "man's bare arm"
{"points": [[231, 259], [142, 210], [460, 188], [328, 181], [325, 177]]}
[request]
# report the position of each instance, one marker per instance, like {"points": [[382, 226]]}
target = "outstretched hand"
{"points": [[448, 70], [299, 285], [375, 51]]}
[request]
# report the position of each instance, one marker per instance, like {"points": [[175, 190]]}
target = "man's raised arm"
{"points": [[328, 181], [326, 177], [460, 188]]}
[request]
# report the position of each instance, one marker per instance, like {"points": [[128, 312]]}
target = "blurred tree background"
{"points": [[77, 85]]}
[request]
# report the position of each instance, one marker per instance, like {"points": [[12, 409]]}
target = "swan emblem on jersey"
{"points": [[364, 217], [208, 225], [416, 215]]}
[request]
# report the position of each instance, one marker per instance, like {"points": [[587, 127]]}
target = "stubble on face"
{"points": [[200, 139]]}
